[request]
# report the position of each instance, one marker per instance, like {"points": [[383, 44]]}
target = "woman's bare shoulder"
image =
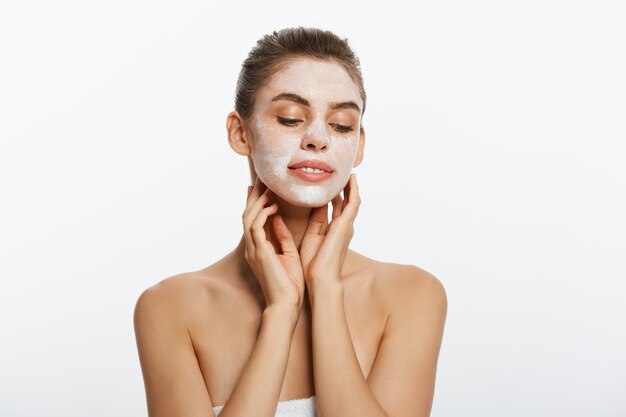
{"points": [[404, 275], [188, 293], [395, 281], [179, 285], [413, 291]]}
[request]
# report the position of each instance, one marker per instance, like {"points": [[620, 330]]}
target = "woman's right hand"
{"points": [[280, 275]]}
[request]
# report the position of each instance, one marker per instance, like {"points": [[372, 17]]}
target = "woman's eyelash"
{"points": [[294, 123], [288, 122], [342, 128]]}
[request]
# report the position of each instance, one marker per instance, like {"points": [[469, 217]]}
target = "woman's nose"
{"points": [[316, 137]]}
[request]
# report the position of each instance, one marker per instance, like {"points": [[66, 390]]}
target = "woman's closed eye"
{"points": [[288, 122], [294, 123], [342, 128]]}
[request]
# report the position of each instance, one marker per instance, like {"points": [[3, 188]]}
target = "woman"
{"points": [[293, 321]]}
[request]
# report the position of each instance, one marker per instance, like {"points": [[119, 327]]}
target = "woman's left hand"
{"points": [[324, 246]]}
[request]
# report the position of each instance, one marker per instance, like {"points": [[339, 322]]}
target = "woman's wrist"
{"points": [[282, 312], [326, 292]]}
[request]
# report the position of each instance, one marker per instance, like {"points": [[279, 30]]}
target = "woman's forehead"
{"points": [[318, 81]]}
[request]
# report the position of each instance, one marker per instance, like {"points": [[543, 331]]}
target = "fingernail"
{"points": [[249, 189]]}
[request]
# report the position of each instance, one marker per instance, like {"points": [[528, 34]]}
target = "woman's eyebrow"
{"points": [[346, 105], [292, 97], [301, 100]]}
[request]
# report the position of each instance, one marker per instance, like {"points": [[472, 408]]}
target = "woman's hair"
{"points": [[273, 51]]}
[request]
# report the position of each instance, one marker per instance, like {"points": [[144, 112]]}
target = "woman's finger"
{"points": [[250, 213], [337, 206], [246, 233], [325, 225], [317, 218], [346, 193], [257, 190], [351, 208], [254, 207], [284, 236], [257, 231]]}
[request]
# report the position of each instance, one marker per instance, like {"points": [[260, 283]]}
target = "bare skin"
{"points": [[218, 313], [227, 286], [217, 337], [222, 308]]}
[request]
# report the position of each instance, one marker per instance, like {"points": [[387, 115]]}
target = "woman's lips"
{"points": [[324, 170], [313, 163], [310, 176]]}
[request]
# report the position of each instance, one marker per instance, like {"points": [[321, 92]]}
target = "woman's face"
{"points": [[308, 113]]}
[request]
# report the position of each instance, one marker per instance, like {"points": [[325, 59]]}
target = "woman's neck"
{"points": [[295, 217]]}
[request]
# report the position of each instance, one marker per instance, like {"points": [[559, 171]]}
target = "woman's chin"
{"points": [[301, 203], [302, 196]]}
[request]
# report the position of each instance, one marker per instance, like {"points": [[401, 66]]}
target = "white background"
{"points": [[494, 160]]}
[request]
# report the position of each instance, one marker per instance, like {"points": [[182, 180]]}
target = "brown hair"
{"points": [[273, 51]]}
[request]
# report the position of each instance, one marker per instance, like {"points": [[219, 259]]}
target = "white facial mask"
{"points": [[276, 148], [276, 151]]}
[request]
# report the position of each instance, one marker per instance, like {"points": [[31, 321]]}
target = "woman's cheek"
{"points": [[347, 149], [272, 157]]}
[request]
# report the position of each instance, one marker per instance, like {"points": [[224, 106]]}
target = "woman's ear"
{"points": [[359, 154], [237, 137]]}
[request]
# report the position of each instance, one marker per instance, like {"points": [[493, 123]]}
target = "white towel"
{"points": [[301, 407]]}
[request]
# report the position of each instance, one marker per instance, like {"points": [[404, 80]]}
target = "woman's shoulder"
{"points": [[187, 293], [196, 292], [397, 281]]}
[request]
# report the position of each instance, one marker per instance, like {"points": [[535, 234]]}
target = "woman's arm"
{"points": [[340, 386], [404, 373], [402, 379], [258, 389], [281, 279], [173, 381], [172, 378]]}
